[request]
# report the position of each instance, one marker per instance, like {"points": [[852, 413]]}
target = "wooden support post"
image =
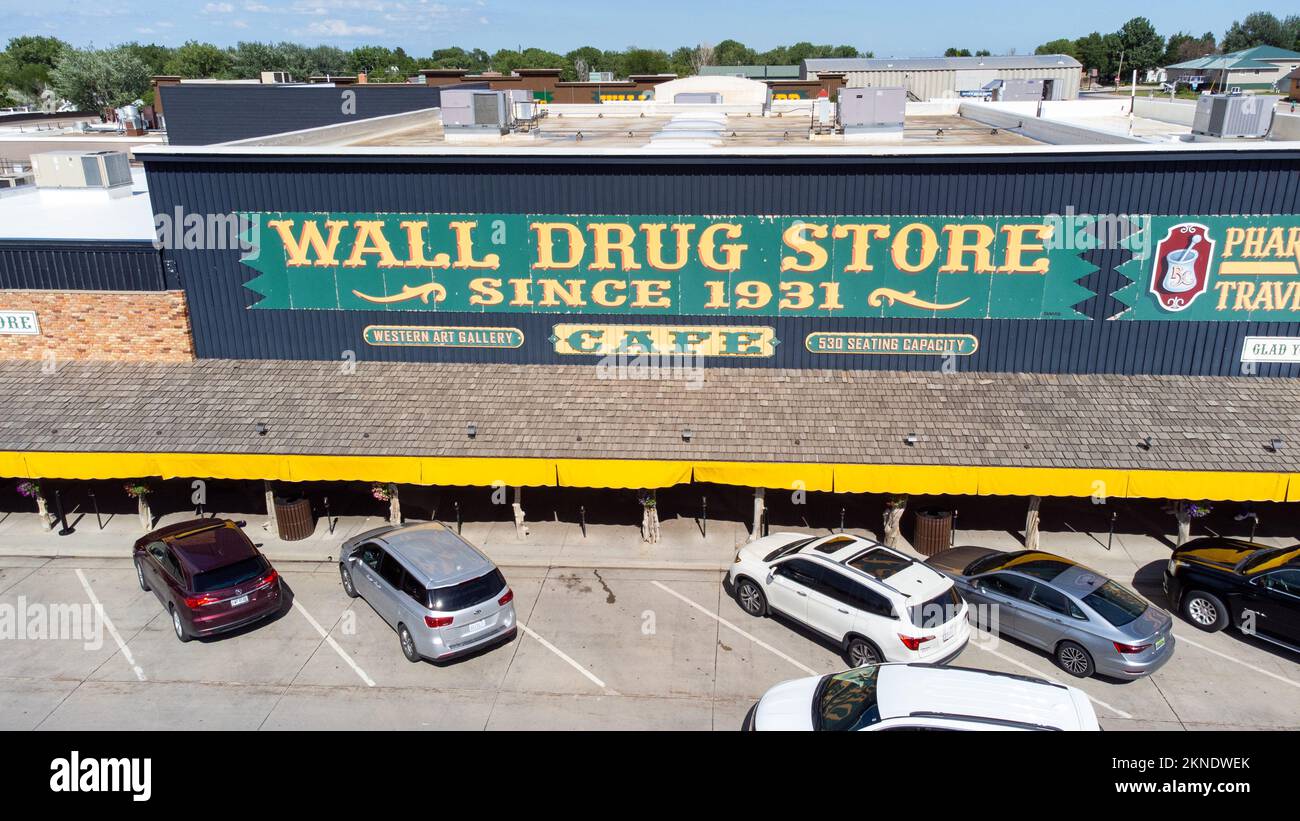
{"points": [[521, 529], [394, 506], [894, 508], [1031, 523], [146, 515], [272, 525], [649, 517], [43, 511], [760, 505], [1183, 513]]}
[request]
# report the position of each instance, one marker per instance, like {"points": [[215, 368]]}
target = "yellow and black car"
{"points": [[1214, 582]]}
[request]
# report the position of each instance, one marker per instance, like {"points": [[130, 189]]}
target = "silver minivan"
{"points": [[440, 593]]}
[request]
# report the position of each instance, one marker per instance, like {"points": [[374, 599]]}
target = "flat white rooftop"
{"points": [[66, 214]]}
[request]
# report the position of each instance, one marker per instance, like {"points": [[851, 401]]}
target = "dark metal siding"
{"points": [[82, 265], [203, 113], [1212, 183]]}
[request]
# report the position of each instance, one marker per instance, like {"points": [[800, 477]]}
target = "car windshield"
{"points": [[939, 610], [1115, 604], [785, 550], [467, 594], [847, 701], [230, 575]]}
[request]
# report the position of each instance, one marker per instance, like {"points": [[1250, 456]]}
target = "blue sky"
{"points": [[894, 29]]}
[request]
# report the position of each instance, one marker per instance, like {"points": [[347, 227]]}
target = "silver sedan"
{"points": [[1089, 623]]}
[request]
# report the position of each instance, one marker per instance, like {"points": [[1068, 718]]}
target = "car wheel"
{"points": [[347, 582], [177, 626], [751, 599], [861, 653], [1073, 659], [139, 576], [1205, 611], [408, 643]]}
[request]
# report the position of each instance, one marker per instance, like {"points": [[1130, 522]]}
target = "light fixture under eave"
{"points": [[911, 439], [471, 430], [687, 434], [1145, 443], [261, 429], [1275, 444]]}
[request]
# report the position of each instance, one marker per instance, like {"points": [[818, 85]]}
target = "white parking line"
{"points": [[557, 651], [1183, 640], [1037, 674], [720, 620], [332, 643], [108, 623]]}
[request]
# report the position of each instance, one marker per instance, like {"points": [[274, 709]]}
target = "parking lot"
{"points": [[599, 648]]}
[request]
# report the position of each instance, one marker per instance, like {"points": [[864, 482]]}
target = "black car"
{"points": [[1216, 581]]}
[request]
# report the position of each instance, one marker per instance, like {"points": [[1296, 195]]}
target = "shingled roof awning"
{"points": [[1015, 434]]}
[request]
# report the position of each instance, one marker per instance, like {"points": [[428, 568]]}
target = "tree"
{"points": [[200, 61], [98, 80], [583, 60], [1059, 46], [644, 61], [1260, 28], [1182, 47], [25, 66], [153, 55], [1143, 48], [981, 53], [733, 53], [1099, 51], [957, 52]]}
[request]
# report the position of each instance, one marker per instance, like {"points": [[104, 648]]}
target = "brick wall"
{"points": [[135, 326]]}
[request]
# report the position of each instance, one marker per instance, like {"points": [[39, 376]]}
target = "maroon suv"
{"points": [[208, 575]]}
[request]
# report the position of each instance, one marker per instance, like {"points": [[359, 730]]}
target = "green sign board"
{"points": [[738, 266], [1214, 268]]}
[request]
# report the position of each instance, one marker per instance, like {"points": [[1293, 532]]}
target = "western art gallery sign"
{"points": [[1204, 268]]}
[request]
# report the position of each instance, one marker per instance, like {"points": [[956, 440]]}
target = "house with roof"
{"points": [[1260, 67]]}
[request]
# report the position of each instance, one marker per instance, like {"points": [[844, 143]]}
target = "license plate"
{"points": [[477, 626], [239, 601], [1160, 642]]}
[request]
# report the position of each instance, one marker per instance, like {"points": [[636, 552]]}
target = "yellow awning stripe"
{"points": [[621, 473], [906, 479], [767, 474], [650, 473]]}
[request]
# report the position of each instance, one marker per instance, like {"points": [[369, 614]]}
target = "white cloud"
{"points": [[218, 8], [341, 28]]}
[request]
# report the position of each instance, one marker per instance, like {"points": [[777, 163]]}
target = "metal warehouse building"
{"points": [[964, 312], [935, 78]]}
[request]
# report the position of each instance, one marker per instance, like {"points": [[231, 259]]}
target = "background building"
{"points": [[1261, 67], [944, 77]]}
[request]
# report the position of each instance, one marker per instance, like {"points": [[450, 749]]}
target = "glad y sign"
{"points": [[1181, 270]]}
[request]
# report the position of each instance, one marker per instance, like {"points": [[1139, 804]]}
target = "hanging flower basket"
{"points": [[30, 489], [647, 499], [137, 490], [381, 492], [895, 502]]}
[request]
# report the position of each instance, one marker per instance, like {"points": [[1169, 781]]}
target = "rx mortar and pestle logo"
{"points": [[1180, 271]]}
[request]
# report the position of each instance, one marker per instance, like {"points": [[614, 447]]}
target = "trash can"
{"points": [[933, 531], [293, 518]]}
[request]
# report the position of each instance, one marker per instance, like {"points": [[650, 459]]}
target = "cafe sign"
{"points": [[728, 266]]}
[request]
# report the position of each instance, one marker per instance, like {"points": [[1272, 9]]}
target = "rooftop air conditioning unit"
{"points": [[872, 110], [102, 170], [276, 77], [1233, 115]]}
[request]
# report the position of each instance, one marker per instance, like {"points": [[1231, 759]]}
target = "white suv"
{"points": [[876, 603], [921, 697]]}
